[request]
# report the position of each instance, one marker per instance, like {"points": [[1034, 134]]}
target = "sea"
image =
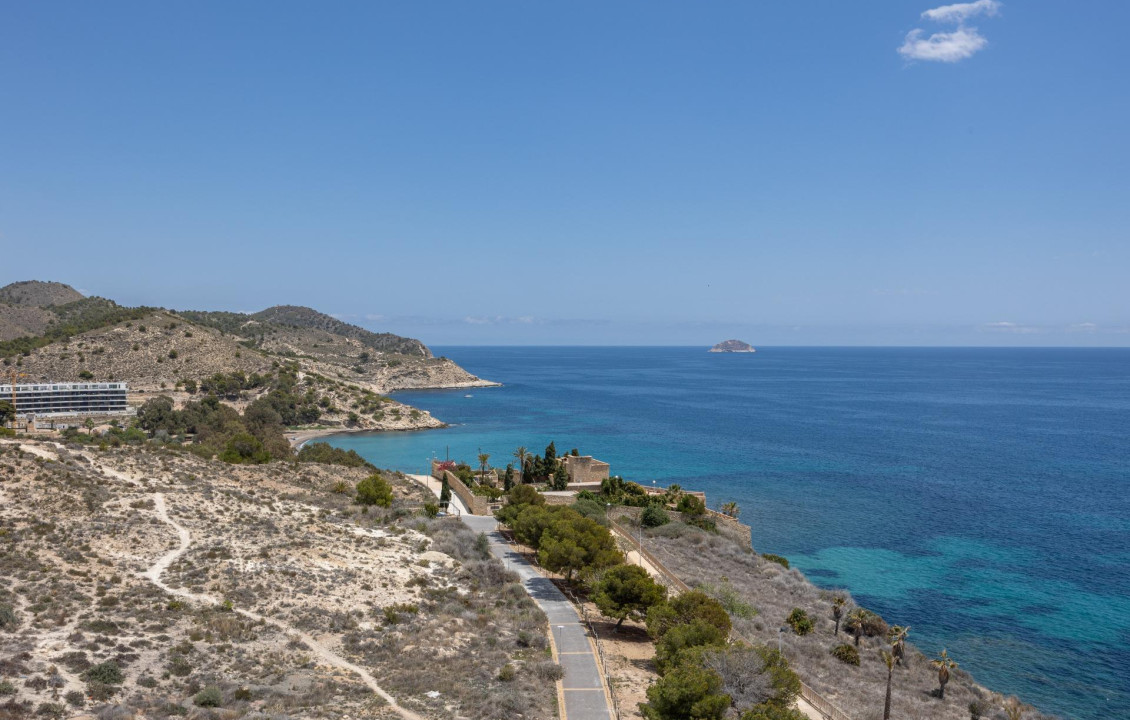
{"points": [[978, 495]]}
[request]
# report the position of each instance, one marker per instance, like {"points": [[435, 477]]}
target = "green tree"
{"points": [[687, 692], [691, 505], [7, 412], [944, 665], [684, 609], [627, 591], [526, 495], [508, 477], [560, 478], [573, 543], [374, 490], [244, 448], [484, 458], [684, 640], [731, 509], [768, 711], [158, 414], [521, 455], [444, 492], [654, 515]]}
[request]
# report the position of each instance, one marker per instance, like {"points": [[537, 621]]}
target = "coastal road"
{"points": [[583, 692]]}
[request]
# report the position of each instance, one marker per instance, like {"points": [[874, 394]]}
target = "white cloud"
{"points": [[962, 43], [960, 12], [943, 47]]}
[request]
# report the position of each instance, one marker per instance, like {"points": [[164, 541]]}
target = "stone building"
{"points": [[585, 469]]}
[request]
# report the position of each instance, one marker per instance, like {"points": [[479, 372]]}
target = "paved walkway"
{"points": [[583, 688]]}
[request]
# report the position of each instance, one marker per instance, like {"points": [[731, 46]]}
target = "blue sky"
{"points": [[629, 172]]}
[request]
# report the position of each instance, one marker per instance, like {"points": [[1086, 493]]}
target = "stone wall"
{"points": [[476, 504]]}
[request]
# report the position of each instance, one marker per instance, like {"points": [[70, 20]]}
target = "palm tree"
{"points": [[856, 619], [898, 642], [89, 424], [731, 509], [889, 661], [944, 665], [483, 459], [521, 454], [838, 603]]}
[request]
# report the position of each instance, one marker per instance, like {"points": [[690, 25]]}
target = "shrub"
{"points": [[7, 688], [686, 692], [374, 490], [507, 673], [846, 654], [691, 505], [8, 618], [86, 375], [681, 641], [108, 673], [549, 671], [209, 697], [431, 510], [783, 562], [799, 621], [75, 698], [654, 516], [685, 609]]}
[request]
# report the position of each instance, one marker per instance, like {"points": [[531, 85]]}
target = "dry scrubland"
{"points": [[773, 592], [50, 333], [417, 603]]}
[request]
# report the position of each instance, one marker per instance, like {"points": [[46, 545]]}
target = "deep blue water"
{"points": [[979, 495]]}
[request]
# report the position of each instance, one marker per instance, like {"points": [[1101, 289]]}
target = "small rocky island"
{"points": [[732, 346]]}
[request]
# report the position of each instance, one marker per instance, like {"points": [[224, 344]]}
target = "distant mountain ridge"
{"points": [[36, 293], [155, 349]]}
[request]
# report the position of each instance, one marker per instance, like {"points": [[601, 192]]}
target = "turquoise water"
{"points": [[979, 495]]}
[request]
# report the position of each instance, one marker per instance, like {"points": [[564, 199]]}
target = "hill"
{"points": [[347, 367], [141, 582], [36, 293]]}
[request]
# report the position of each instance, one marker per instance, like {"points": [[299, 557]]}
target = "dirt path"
{"points": [[153, 574]]}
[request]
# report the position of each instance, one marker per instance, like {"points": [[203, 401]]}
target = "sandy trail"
{"points": [[153, 574]]}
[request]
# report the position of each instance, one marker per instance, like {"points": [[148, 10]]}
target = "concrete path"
{"points": [[583, 687], [583, 692]]}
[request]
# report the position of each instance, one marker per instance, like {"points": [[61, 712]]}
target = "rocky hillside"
{"points": [[157, 350], [38, 294], [141, 582]]}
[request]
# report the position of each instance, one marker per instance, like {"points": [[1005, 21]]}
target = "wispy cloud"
{"points": [[943, 47], [950, 47], [960, 12]]}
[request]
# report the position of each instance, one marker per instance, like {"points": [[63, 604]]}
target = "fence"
{"points": [[823, 706]]}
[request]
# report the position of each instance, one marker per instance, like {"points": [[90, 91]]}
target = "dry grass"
{"points": [[411, 600], [774, 591]]}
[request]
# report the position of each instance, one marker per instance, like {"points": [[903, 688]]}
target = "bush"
{"points": [[681, 641], [783, 562], [799, 621], [691, 505], [209, 697], [507, 673], [654, 516], [320, 452], [686, 692], [108, 673], [685, 609], [846, 654], [75, 698], [8, 619], [86, 375], [374, 490], [431, 510], [7, 688]]}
